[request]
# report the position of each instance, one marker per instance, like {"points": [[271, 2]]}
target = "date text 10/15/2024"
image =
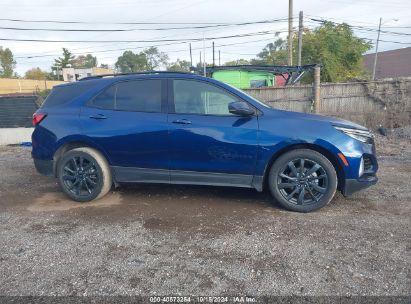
{"points": [[202, 299]]}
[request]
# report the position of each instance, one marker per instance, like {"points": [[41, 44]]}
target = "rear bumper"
{"points": [[44, 167], [354, 185]]}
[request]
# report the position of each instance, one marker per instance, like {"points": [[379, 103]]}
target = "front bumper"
{"points": [[354, 185], [44, 167]]}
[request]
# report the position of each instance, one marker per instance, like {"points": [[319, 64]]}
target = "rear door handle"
{"points": [[182, 122], [98, 116]]}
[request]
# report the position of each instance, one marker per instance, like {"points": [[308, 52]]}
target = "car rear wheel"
{"points": [[84, 174], [302, 180]]}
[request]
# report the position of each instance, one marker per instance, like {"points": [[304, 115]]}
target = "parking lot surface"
{"points": [[190, 240]]}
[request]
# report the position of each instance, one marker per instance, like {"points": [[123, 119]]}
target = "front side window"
{"points": [[195, 97]]}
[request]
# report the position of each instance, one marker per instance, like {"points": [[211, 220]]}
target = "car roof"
{"points": [[111, 78], [151, 74]]}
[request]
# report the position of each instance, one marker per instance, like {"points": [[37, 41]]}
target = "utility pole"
{"points": [[204, 61], [213, 55], [191, 57], [300, 36], [201, 63], [290, 32], [219, 57], [317, 89], [376, 51]]}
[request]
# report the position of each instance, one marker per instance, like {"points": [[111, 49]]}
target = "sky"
{"points": [[107, 14]]}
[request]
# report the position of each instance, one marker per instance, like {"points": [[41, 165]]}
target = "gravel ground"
{"points": [[183, 240]]}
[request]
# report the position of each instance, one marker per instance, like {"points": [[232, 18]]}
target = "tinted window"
{"points": [[105, 100], [200, 98], [140, 95], [63, 94]]}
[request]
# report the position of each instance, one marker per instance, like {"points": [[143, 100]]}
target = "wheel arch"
{"points": [[330, 156], [73, 144]]}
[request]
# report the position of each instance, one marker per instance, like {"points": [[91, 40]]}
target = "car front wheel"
{"points": [[302, 180], [84, 174]]}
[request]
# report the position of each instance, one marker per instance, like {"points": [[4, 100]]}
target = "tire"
{"points": [[84, 174], [309, 186]]}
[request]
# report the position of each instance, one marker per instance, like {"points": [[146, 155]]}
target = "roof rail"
{"points": [[132, 73]]}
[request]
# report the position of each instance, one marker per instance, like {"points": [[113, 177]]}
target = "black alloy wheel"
{"points": [[80, 176], [84, 174], [302, 180]]}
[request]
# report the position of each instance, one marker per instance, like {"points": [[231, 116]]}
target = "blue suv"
{"points": [[182, 128]]}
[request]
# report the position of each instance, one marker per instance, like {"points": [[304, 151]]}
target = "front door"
{"points": [[209, 145]]}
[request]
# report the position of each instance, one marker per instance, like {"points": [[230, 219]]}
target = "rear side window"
{"points": [[105, 100], [137, 96], [60, 95], [140, 96]]}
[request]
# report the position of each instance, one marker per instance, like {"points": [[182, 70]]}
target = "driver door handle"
{"points": [[98, 116], [182, 122]]}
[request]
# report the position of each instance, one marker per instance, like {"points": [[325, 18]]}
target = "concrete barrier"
{"points": [[10, 136]]}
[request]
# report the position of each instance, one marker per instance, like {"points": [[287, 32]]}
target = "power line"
{"points": [[360, 27], [129, 23], [142, 47], [142, 29], [139, 41]]}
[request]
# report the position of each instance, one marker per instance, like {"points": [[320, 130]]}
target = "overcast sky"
{"points": [[102, 14]]}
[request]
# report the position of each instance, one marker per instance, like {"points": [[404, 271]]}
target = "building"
{"points": [[390, 64], [74, 74], [259, 76], [245, 79]]}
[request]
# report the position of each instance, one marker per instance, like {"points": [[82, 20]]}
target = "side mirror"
{"points": [[240, 108]]}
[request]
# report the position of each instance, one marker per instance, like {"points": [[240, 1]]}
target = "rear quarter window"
{"points": [[62, 94]]}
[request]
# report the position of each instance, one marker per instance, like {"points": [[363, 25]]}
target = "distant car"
{"points": [[186, 129]]}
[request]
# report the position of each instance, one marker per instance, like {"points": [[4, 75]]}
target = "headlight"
{"points": [[363, 136], [361, 169]]}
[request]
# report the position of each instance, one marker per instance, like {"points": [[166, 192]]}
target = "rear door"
{"points": [[128, 121]]}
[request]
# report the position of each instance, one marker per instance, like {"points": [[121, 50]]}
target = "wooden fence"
{"points": [[25, 86], [379, 103]]}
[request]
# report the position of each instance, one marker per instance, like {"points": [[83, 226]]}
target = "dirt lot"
{"points": [[157, 239]]}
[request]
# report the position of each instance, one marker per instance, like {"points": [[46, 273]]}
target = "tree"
{"points": [[63, 62], [179, 66], [338, 50], [36, 74], [104, 66], [155, 58], [131, 62], [88, 61], [238, 62], [272, 54], [147, 60], [7, 63]]}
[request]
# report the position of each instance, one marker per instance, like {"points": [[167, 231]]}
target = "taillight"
{"points": [[38, 117]]}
